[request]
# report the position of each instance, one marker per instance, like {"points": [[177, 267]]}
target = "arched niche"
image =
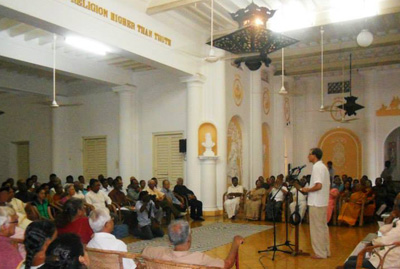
{"points": [[266, 150], [207, 128], [343, 148], [234, 149], [392, 152]]}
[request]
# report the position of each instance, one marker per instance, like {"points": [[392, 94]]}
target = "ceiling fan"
{"points": [[53, 103]]}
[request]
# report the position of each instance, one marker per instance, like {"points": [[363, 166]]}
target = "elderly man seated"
{"points": [[180, 237], [103, 225], [163, 201], [9, 255]]}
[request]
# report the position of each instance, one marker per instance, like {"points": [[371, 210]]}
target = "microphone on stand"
{"points": [[298, 168]]}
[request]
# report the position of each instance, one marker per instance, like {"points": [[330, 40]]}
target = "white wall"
{"points": [[162, 108], [24, 121]]}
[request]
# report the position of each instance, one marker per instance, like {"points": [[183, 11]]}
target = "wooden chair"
{"points": [[160, 264], [185, 201], [104, 259], [374, 250], [241, 205]]}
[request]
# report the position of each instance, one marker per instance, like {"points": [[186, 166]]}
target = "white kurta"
{"points": [[232, 205]]}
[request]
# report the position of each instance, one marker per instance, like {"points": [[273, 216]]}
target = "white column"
{"points": [[209, 183], [256, 154], [194, 105], [127, 132]]}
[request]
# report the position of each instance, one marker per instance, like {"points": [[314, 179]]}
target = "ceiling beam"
{"points": [[158, 6]]}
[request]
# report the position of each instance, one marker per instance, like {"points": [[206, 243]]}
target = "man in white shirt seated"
{"points": [[302, 200], [180, 237], [275, 200], [103, 225], [105, 187], [95, 197], [78, 190], [234, 194]]}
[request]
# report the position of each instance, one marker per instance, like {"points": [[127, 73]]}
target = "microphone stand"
{"points": [[275, 248]]}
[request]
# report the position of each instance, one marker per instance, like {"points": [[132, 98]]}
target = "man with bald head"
{"points": [[180, 236], [196, 206]]}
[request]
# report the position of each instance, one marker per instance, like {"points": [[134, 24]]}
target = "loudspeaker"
{"points": [[182, 145]]}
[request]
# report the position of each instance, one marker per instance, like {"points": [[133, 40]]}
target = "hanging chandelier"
{"points": [[253, 37]]}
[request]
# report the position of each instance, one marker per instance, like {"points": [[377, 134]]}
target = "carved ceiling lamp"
{"points": [[253, 37]]}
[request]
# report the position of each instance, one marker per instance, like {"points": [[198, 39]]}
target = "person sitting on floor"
{"points": [[103, 225], [66, 252], [146, 209], [254, 202], [95, 197], [162, 200], [275, 200], [9, 255], [350, 211], [196, 206], [38, 236], [73, 220], [234, 194], [180, 237]]}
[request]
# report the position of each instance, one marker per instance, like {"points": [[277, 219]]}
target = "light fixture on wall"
{"points": [[253, 37], [365, 38]]}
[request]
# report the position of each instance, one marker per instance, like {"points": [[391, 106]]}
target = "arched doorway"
{"points": [[392, 152], [343, 148], [235, 149]]}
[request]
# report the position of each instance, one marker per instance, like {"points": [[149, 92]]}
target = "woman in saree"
{"points": [[254, 202], [369, 209], [350, 211], [333, 193]]}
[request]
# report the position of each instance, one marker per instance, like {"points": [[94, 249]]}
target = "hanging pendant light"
{"points": [[365, 38], [211, 58], [283, 91]]}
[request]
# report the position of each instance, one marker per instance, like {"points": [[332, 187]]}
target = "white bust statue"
{"points": [[208, 144]]}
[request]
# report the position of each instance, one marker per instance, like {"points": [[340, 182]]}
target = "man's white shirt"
{"points": [[319, 174], [98, 199]]}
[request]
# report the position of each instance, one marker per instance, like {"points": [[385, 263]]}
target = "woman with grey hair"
{"points": [[9, 255], [181, 238], [103, 225]]}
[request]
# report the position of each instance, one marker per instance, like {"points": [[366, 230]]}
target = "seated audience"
{"points": [[390, 234], [69, 180], [7, 198], [234, 194], [142, 184], [146, 209], [369, 208], [103, 225], [66, 252], [81, 179], [180, 237], [275, 200], [78, 190], [162, 200], [380, 196], [264, 184], [171, 196], [387, 171], [69, 192], [42, 204], [119, 198], [38, 236], [346, 193], [95, 197], [23, 194], [253, 204], [337, 183], [333, 194], [390, 191], [74, 220], [133, 190], [9, 255], [59, 193], [29, 184], [350, 211], [106, 187], [196, 206], [302, 200]]}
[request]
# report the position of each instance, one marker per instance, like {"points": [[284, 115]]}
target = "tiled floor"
{"points": [[343, 241]]}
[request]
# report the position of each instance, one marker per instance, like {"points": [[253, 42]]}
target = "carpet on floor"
{"points": [[205, 237]]}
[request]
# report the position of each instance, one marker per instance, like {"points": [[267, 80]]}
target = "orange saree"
{"points": [[350, 211]]}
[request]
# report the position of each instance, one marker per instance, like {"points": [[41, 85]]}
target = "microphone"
{"points": [[298, 168]]}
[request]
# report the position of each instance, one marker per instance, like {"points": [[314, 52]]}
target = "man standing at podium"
{"points": [[318, 196]]}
